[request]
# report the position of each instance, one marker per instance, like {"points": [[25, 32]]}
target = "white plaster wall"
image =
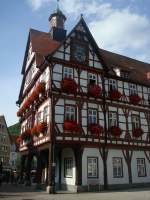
{"points": [[111, 180], [92, 152], [68, 153], [135, 178]]}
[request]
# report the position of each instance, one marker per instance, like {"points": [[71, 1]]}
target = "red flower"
{"points": [[94, 90], [18, 140], [95, 129], [34, 131], [134, 99], [26, 135], [114, 95], [69, 85], [71, 126], [41, 127], [40, 88], [137, 132], [115, 131]]}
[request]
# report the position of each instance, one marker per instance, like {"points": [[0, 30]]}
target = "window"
{"points": [[113, 119], [133, 89], [38, 117], [124, 74], [141, 167], [112, 84], [117, 167], [135, 121], [68, 72], [68, 167], [92, 79], [70, 112], [92, 167], [92, 116], [45, 114]]}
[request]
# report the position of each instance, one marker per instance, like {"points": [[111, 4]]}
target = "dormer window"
{"points": [[92, 79], [112, 85], [124, 74]]}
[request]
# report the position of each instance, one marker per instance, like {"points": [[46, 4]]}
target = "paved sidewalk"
{"points": [[8, 192]]}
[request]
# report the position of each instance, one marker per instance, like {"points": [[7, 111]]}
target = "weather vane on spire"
{"points": [[57, 4]]}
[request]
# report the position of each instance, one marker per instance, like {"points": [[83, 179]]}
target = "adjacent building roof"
{"points": [[14, 130]]}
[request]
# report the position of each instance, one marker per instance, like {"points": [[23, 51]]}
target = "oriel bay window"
{"points": [[70, 112], [117, 167], [68, 167], [141, 167], [92, 167]]}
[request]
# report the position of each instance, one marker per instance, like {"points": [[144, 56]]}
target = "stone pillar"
{"points": [[78, 152], [51, 170], [39, 171], [28, 170], [21, 178]]}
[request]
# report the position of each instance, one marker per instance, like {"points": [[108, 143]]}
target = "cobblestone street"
{"points": [[22, 193]]}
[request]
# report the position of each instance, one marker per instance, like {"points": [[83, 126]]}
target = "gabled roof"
{"points": [[43, 45]]}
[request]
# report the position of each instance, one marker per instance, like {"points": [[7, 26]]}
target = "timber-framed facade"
{"points": [[84, 112]]}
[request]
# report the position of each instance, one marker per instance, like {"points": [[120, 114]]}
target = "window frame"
{"points": [[113, 85], [63, 72], [96, 78], [65, 175], [92, 109], [45, 117], [75, 113], [145, 171], [135, 115], [131, 89], [97, 168], [121, 159], [117, 119]]}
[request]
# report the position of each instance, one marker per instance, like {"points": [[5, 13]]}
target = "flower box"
{"points": [[34, 131], [115, 131], [114, 95], [26, 135], [71, 126], [94, 90], [135, 99], [41, 127], [96, 129], [69, 85], [137, 132], [40, 88]]}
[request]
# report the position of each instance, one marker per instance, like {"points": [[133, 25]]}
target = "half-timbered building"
{"points": [[84, 112]]}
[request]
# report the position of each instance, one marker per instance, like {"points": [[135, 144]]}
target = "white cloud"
{"points": [[37, 4], [120, 30]]}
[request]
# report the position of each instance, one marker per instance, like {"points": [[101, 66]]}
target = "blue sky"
{"points": [[121, 26]]}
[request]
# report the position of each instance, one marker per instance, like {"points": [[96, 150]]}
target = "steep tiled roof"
{"points": [[43, 44]]}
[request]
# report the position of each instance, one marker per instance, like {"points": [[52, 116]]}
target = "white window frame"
{"points": [[112, 84], [92, 116], [70, 112], [92, 167], [117, 167], [135, 119], [68, 167], [141, 167], [68, 72], [92, 77], [112, 118], [132, 88], [45, 113]]}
